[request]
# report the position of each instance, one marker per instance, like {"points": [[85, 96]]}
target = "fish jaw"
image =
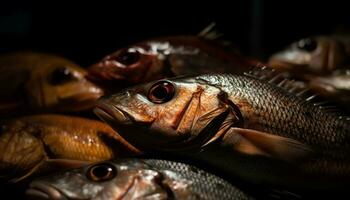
{"points": [[41, 191]]}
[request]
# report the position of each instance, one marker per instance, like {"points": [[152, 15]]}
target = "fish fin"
{"points": [[225, 116], [67, 163], [209, 32], [29, 173], [299, 89], [119, 144], [254, 142], [207, 127], [51, 164]]}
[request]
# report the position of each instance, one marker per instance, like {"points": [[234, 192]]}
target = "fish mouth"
{"points": [[42, 191], [111, 114]]}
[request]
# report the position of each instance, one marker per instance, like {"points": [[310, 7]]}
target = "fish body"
{"points": [[36, 83], [134, 179], [245, 126], [165, 57], [34, 142], [314, 55], [335, 86]]}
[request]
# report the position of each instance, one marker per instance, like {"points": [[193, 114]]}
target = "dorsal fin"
{"points": [[279, 79], [283, 80], [209, 32]]}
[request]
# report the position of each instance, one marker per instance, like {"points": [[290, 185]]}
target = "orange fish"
{"points": [[33, 143], [36, 83]]}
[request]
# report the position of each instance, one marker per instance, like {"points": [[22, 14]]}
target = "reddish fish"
{"points": [[165, 57]]}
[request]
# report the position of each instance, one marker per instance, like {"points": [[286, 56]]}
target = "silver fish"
{"points": [[134, 179]]}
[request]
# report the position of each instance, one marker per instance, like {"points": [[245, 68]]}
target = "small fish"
{"points": [[37, 82], [315, 55], [29, 144], [134, 179], [165, 57], [244, 125]]}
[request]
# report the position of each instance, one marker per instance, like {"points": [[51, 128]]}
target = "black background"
{"points": [[87, 31]]}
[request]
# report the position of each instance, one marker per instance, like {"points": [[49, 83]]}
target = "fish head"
{"points": [[60, 85], [164, 114], [103, 180], [127, 66], [315, 54]]}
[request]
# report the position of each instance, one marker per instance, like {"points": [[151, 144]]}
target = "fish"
{"points": [[246, 126], [164, 57], [134, 179], [314, 55], [335, 87], [35, 144], [33, 83]]}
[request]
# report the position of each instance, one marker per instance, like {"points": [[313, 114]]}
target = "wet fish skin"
{"points": [[137, 179], [165, 57], [29, 144], [335, 86], [40, 83], [314, 55], [249, 122]]}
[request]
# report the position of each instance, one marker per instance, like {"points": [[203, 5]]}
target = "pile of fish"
{"points": [[178, 117]]}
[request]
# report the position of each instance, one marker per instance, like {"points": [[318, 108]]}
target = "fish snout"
{"points": [[110, 113], [39, 190]]}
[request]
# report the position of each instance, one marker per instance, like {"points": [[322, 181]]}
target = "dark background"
{"points": [[85, 32]]}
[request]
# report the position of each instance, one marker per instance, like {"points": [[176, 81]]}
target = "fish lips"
{"points": [[111, 114], [42, 191]]}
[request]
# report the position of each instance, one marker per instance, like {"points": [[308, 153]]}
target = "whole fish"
{"points": [[37, 82], [134, 179], [29, 144], [165, 57], [244, 125], [315, 55]]}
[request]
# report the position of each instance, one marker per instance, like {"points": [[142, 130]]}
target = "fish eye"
{"points": [[101, 172], [161, 92], [307, 44], [61, 75], [128, 57]]}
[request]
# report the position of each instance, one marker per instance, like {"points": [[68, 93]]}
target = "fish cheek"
{"points": [[138, 184], [175, 117]]}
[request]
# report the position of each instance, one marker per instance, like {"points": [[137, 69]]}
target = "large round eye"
{"points": [[101, 172], [307, 44], [61, 75], [128, 57], [161, 92]]}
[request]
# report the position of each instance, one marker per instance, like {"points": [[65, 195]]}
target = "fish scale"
{"points": [[218, 188], [306, 121], [276, 107]]}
